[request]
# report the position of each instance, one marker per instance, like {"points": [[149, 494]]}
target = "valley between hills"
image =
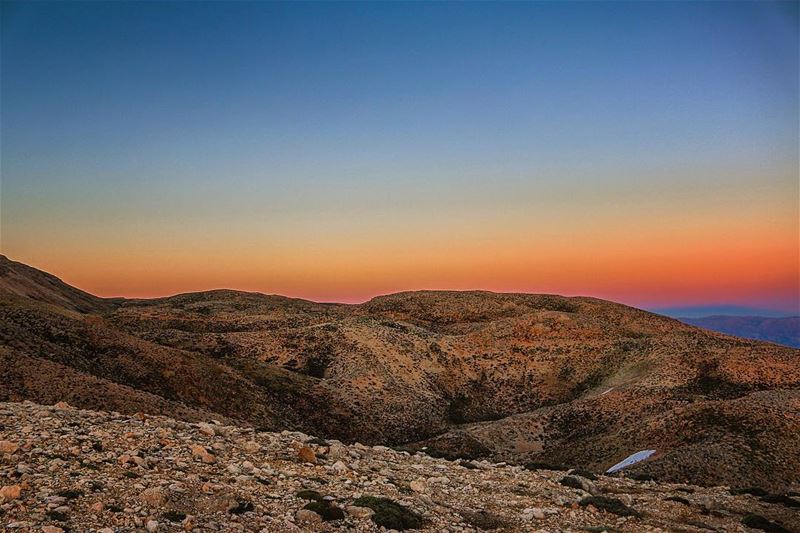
{"points": [[542, 382]]}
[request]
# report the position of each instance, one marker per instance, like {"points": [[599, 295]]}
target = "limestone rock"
{"points": [[359, 512], [153, 496], [307, 455], [8, 447], [10, 492], [305, 516], [203, 454]]}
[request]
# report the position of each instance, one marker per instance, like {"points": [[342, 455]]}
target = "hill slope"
{"points": [[517, 377]]}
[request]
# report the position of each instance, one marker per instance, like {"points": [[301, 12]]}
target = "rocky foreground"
{"points": [[64, 469]]}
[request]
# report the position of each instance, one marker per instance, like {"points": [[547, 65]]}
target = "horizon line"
{"points": [[672, 311]]}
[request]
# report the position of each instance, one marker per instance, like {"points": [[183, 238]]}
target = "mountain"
{"points": [[523, 378], [76, 470], [783, 330], [701, 311]]}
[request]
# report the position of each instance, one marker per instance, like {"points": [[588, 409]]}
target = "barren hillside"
{"points": [[515, 377]]}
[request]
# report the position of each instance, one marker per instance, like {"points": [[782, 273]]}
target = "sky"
{"points": [[641, 152]]}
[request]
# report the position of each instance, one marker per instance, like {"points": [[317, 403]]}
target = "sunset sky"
{"points": [[641, 152]]}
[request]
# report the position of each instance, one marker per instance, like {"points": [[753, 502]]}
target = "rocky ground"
{"points": [[65, 469]]}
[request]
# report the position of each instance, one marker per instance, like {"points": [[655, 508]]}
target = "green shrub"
{"points": [[174, 516], [584, 474], [310, 495], [484, 520], [390, 514], [538, 465], [753, 491], [327, 511], [611, 505], [678, 499], [759, 522], [780, 499]]}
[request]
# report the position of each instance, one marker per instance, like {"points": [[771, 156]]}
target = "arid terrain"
{"points": [[541, 380], [65, 469]]}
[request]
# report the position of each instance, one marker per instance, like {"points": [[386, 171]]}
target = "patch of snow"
{"points": [[631, 460]]}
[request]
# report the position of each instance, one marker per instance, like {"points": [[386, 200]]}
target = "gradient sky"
{"points": [[641, 152]]}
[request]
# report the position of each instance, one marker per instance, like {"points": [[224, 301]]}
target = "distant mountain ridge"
{"points": [[781, 330], [701, 311]]}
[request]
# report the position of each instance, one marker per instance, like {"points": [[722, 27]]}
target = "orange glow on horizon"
{"points": [[636, 265]]}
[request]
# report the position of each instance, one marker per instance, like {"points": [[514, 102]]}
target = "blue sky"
{"points": [[323, 123]]}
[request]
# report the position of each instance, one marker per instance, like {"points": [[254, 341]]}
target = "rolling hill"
{"points": [[524, 378]]}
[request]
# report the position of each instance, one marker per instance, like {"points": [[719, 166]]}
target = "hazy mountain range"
{"points": [[782, 330]]}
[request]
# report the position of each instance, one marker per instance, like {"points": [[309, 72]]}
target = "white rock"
{"points": [[339, 467], [359, 512], [206, 429], [418, 485], [337, 450]]}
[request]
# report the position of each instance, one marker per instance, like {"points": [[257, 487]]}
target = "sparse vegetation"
{"points": [[759, 522], [611, 505], [390, 514], [310, 495], [326, 510], [484, 520]]}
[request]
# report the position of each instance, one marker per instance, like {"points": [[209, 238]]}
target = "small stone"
{"points": [[151, 526], [153, 496], [52, 529], [251, 446], [337, 451], [10, 492], [6, 446], [206, 429], [202, 453], [339, 468], [359, 512], [307, 455], [418, 485], [305, 516]]}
